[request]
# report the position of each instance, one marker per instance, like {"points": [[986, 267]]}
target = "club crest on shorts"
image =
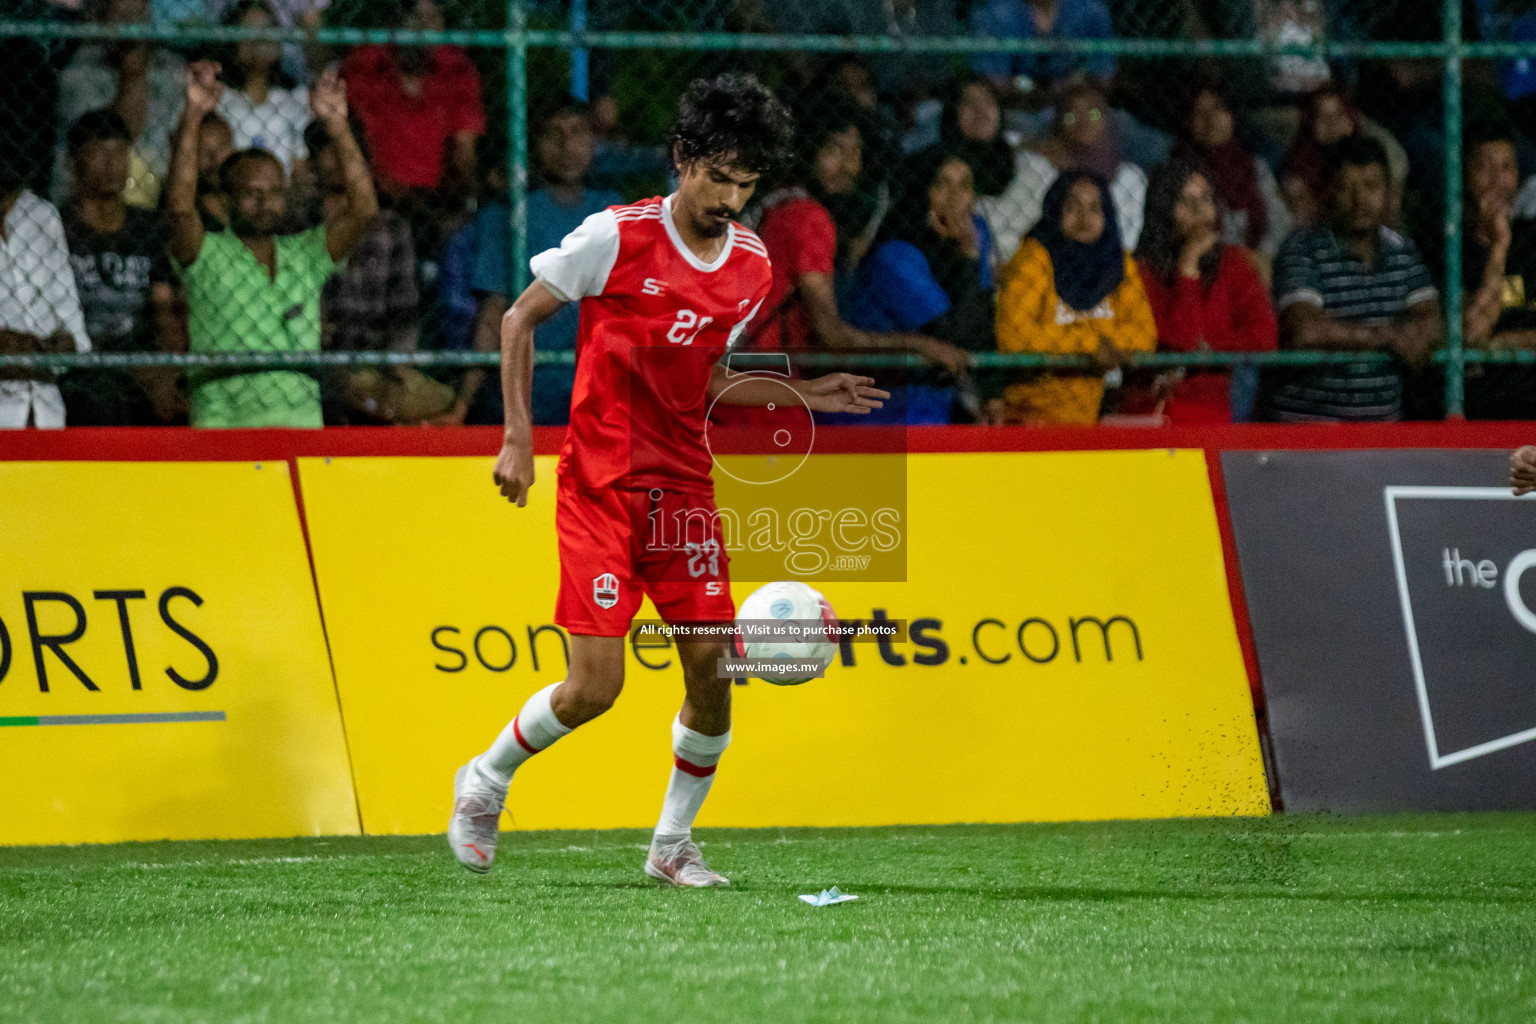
{"points": [[605, 590]]}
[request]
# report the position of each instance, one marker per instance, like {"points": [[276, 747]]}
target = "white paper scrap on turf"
{"points": [[827, 897]]}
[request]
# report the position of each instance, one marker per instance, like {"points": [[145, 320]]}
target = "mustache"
{"points": [[723, 211]]}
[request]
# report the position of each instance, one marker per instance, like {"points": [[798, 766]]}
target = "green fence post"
{"points": [[517, 144], [1455, 363]]}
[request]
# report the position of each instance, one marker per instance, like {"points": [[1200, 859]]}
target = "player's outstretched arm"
{"points": [[514, 466], [834, 392]]}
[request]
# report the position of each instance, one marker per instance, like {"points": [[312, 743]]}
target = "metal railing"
{"points": [[517, 39]]}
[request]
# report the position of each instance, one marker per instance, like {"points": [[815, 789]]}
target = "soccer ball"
{"points": [[787, 602]]}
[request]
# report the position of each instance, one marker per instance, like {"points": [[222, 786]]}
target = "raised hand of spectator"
{"points": [[1199, 242], [204, 90], [1522, 470], [1496, 216], [328, 99]]}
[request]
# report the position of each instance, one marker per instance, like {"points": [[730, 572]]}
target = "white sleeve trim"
{"points": [[740, 328], [581, 265], [1310, 296], [553, 290]]}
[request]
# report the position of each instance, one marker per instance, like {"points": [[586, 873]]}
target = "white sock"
{"points": [[693, 770], [534, 728]]}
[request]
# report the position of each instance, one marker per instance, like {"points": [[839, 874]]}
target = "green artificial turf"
{"points": [[1304, 919]]}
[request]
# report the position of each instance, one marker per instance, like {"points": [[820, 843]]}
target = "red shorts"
{"points": [[618, 545]]}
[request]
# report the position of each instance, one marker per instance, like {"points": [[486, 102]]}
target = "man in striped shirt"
{"points": [[1352, 285]]}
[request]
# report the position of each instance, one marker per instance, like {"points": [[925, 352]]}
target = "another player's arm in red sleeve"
{"points": [[576, 270]]}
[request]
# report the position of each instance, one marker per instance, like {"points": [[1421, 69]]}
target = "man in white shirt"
{"points": [[39, 307]]}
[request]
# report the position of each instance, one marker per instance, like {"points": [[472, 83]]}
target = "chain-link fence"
{"points": [[1049, 212]]}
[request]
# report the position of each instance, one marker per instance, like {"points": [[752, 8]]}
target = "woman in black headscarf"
{"points": [[973, 131], [1071, 289]]}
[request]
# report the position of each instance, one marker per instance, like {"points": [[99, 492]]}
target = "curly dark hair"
{"points": [[732, 117]]}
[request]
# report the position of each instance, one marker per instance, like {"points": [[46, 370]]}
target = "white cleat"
{"points": [[476, 821], [681, 863]]}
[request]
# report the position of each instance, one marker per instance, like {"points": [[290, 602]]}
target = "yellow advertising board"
{"points": [[163, 671], [1072, 655]]}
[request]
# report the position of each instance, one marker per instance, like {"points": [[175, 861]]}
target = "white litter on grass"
{"points": [[827, 897]]}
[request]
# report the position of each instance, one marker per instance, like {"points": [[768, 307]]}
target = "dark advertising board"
{"points": [[1394, 610]]}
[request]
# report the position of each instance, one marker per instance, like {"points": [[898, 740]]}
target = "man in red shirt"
{"points": [[420, 107], [665, 286]]}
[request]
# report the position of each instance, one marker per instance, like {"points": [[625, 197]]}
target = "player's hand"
{"points": [[514, 471], [1522, 470], [842, 392]]}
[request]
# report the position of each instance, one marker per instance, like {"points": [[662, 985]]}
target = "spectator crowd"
{"points": [[287, 197]]}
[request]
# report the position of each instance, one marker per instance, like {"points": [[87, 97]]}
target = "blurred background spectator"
{"points": [[370, 305], [857, 145], [29, 91], [1351, 284], [263, 106], [801, 236], [931, 275], [562, 149], [123, 278], [900, 80], [1327, 116], [1205, 294], [251, 287], [1082, 137], [1071, 288], [1253, 213], [1499, 275], [1041, 19], [421, 110], [141, 81], [971, 128], [39, 307], [215, 144]]}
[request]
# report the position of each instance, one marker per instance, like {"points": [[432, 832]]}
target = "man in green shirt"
{"points": [[249, 288]]}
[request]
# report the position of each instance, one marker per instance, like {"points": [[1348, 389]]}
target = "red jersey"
{"points": [[655, 319]]}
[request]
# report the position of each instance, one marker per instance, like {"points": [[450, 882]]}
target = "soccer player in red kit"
{"points": [[665, 286]]}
